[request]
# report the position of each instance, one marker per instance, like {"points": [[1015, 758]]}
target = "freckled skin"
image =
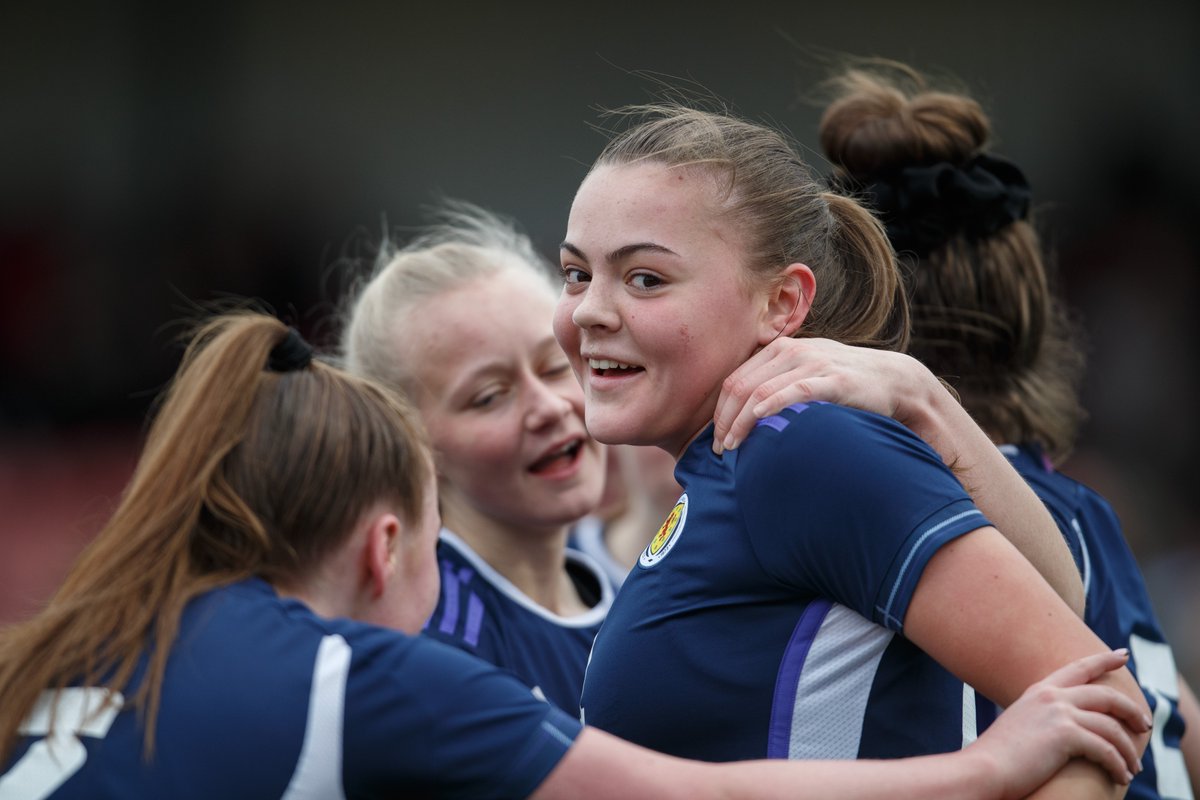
{"points": [[663, 291]]}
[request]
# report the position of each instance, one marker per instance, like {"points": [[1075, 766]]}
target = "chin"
{"points": [[572, 507], [608, 428], [621, 431]]}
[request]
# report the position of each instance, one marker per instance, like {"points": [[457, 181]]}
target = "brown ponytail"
{"points": [[245, 472], [868, 282]]}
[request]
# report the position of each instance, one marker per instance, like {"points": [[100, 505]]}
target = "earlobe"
{"points": [[789, 302]]}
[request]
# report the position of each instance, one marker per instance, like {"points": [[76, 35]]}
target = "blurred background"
{"points": [[154, 156]]}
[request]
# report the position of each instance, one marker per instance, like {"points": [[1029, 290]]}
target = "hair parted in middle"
{"points": [[985, 318], [786, 215]]}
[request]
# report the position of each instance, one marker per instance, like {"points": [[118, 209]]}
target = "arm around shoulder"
{"points": [[896, 385]]}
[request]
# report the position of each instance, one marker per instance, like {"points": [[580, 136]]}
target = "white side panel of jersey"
{"points": [[970, 726], [318, 774], [1156, 673], [831, 698], [50, 762]]}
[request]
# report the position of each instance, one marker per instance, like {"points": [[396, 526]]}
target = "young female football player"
{"points": [[986, 318], [459, 320], [763, 618]]}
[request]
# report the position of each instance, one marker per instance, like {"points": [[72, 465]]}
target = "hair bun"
{"points": [[885, 118]]}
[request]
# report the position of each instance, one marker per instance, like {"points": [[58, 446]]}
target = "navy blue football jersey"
{"points": [[263, 698], [1119, 610], [762, 618], [482, 612]]}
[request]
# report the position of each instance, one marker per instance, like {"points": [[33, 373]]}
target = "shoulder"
{"points": [[831, 447], [831, 430]]}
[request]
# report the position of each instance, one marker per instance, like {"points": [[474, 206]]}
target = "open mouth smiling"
{"points": [[608, 368], [559, 458]]}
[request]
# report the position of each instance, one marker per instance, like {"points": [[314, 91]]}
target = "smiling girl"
{"points": [[825, 590], [505, 417]]}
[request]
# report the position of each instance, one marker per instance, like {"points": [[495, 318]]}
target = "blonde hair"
{"points": [[786, 216], [245, 471], [984, 315], [464, 244]]}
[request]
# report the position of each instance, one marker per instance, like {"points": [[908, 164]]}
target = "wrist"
{"points": [[923, 404], [981, 777]]}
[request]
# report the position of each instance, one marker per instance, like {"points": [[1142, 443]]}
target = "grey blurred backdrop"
{"points": [[154, 155]]}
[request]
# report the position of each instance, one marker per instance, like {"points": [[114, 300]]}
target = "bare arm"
{"points": [[985, 614], [1063, 716], [1189, 709], [791, 371]]}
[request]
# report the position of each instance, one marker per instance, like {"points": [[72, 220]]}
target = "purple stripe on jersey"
{"points": [[474, 619], [788, 679], [450, 586], [778, 421]]}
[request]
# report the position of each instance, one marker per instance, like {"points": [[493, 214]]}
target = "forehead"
{"points": [[638, 200], [504, 315]]}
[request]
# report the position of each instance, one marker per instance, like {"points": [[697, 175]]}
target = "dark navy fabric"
{"points": [[1118, 609], [763, 619], [481, 612], [263, 698]]}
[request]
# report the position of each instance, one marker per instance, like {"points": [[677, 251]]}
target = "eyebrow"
{"points": [[546, 346], [621, 252]]}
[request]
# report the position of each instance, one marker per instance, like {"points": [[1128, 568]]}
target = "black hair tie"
{"points": [[924, 206], [291, 353]]}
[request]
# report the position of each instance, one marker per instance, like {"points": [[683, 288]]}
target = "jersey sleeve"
{"points": [[849, 506], [433, 721]]}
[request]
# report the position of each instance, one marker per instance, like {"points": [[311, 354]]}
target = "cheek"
{"points": [[565, 329], [471, 453]]}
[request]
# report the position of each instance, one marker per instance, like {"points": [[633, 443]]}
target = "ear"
{"points": [[383, 531], [788, 303]]}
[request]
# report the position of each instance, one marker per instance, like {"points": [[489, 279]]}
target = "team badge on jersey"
{"points": [[668, 534]]}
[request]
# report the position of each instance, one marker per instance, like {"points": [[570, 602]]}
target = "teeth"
{"points": [[604, 363]]}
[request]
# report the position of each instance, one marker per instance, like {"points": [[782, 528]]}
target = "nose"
{"points": [[548, 404], [595, 308]]}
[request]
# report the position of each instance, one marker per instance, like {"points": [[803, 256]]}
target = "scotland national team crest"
{"points": [[667, 535]]}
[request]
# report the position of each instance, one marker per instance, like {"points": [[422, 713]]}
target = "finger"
{"points": [[1116, 735], [735, 395], [742, 391], [1087, 669], [1111, 702], [1100, 750], [776, 395]]}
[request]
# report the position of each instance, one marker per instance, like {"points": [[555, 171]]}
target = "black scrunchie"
{"points": [[923, 207], [290, 354]]}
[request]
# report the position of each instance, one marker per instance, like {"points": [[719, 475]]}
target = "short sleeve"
{"points": [[436, 721], [849, 506]]}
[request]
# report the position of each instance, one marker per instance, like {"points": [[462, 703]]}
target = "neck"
{"points": [[532, 558], [327, 598]]}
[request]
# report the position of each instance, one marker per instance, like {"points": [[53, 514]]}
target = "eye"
{"points": [[574, 275], [486, 398], [556, 370], [643, 280]]}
